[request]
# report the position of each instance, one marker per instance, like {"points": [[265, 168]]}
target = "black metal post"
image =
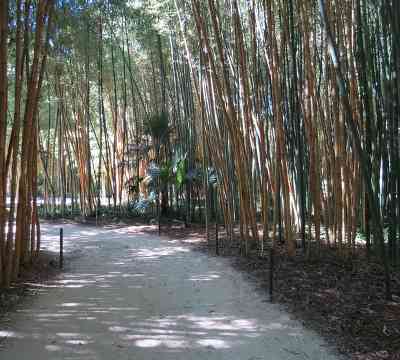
{"points": [[216, 237], [159, 209], [216, 223], [159, 222], [61, 248]]}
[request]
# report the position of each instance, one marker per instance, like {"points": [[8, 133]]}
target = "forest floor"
{"points": [[126, 293], [43, 268], [340, 299]]}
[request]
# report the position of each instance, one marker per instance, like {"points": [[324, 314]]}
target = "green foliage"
{"points": [[166, 173], [157, 126], [212, 176], [142, 206], [132, 184], [181, 170]]}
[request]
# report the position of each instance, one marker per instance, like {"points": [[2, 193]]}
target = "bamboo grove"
{"points": [[292, 105]]}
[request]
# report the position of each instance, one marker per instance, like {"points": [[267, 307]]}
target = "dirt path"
{"points": [[133, 296]]}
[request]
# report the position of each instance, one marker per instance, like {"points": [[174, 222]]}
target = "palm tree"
{"points": [[157, 127]]}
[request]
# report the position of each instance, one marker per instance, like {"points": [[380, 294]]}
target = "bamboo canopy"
{"points": [[292, 106]]}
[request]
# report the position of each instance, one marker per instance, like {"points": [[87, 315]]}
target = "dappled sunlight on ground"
{"points": [[132, 296], [205, 277], [157, 253], [129, 329]]}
